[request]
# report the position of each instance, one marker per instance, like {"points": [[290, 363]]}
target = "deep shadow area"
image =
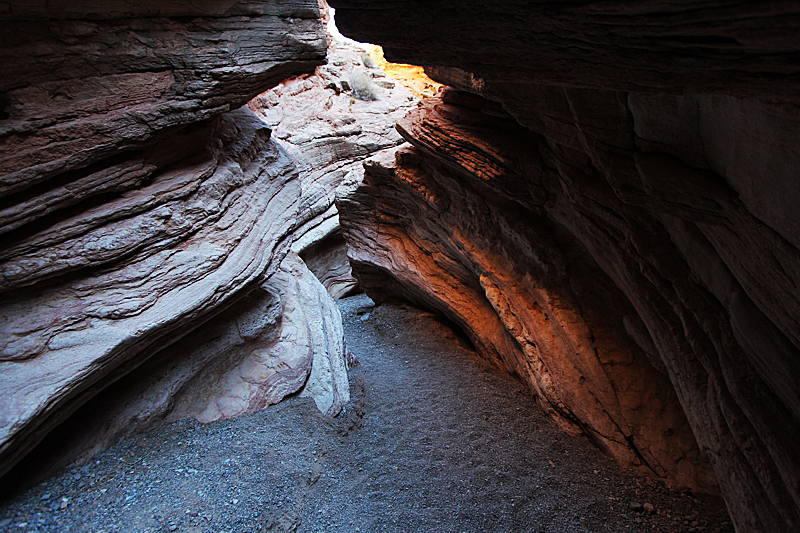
{"points": [[434, 440]]}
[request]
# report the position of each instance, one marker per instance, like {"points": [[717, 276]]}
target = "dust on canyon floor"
{"points": [[433, 441]]}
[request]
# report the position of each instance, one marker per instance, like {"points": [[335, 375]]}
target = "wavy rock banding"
{"points": [[147, 272], [329, 130], [658, 147], [513, 283]]}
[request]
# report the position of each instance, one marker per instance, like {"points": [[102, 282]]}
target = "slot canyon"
{"points": [[223, 218]]}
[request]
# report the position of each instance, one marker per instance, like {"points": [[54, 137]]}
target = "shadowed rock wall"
{"points": [[651, 198]]}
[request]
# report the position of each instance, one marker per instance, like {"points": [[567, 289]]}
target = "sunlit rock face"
{"points": [[147, 226], [659, 158]]}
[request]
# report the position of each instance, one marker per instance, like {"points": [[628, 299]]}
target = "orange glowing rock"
{"points": [[411, 76]]}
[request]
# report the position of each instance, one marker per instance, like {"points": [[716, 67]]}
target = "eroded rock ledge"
{"points": [[90, 81], [658, 158]]}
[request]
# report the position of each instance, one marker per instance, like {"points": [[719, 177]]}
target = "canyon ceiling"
{"points": [[604, 198]]}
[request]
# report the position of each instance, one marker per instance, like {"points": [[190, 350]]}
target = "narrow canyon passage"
{"points": [[602, 196], [433, 440]]}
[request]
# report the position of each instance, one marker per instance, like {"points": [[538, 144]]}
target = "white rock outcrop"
{"points": [[329, 128]]}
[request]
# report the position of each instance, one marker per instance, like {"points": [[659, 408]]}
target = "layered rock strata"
{"points": [[328, 261], [146, 226], [330, 122], [176, 253], [454, 226], [659, 147], [279, 338], [88, 82]]}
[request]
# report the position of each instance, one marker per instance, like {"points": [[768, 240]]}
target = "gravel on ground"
{"points": [[434, 440]]}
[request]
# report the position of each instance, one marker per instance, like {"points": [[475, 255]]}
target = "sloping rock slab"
{"points": [[667, 134], [278, 338], [633, 255], [165, 262], [85, 82]]}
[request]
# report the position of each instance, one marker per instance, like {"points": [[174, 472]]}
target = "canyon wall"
{"points": [[606, 205], [329, 122], [148, 223]]}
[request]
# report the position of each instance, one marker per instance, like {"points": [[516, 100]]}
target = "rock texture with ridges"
{"points": [[139, 212], [165, 266], [83, 84], [661, 145], [279, 338], [329, 123], [328, 261], [263, 356], [437, 232], [738, 48]]}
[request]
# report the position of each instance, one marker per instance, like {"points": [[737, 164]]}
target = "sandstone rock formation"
{"points": [[328, 130], [646, 210], [92, 81], [146, 226], [328, 261], [412, 77], [234, 215], [282, 337], [512, 282]]}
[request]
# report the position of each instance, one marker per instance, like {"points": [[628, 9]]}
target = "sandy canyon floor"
{"points": [[433, 441]]}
